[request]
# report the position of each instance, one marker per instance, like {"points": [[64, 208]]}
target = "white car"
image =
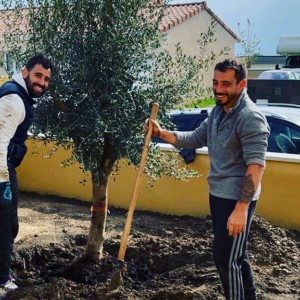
{"points": [[283, 119], [279, 75]]}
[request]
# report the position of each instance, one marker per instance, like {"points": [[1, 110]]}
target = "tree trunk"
{"points": [[94, 247]]}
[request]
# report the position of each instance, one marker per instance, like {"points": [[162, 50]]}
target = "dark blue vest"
{"points": [[17, 148]]}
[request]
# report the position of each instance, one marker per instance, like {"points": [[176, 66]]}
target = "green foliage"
{"points": [[167, 164], [110, 65]]}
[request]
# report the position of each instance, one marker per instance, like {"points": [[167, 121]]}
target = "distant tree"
{"points": [[110, 66], [249, 43]]}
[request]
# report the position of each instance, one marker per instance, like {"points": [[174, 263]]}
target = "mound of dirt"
{"points": [[167, 257]]}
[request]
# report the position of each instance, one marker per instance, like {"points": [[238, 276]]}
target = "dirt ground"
{"points": [[167, 257]]}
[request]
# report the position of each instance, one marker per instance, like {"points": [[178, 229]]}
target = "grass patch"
{"points": [[200, 103]]}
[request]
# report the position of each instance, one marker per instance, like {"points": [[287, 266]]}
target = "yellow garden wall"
{"points": [[44, 175], [279, 202]]}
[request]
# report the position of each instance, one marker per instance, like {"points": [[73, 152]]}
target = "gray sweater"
{"points": [[238, 140]]}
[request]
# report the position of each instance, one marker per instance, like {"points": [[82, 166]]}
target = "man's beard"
{"points": [[30, 88], [231, 98]]}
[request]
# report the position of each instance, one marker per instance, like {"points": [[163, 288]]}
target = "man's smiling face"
{"points": [[37, 80], [226, 88]]}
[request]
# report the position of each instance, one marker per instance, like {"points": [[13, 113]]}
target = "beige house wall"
{"points": [[188, 32]]}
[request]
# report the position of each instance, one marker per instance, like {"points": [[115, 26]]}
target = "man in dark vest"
{"points": [[16, 116]]}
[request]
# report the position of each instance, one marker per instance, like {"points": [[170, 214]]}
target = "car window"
{"points": [[297, 75], [279, 75], [292, 75], [265, 76], [283, 137], [295, 133], [277, 128]]}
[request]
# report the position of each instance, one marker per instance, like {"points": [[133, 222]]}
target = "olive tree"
{"points": [[110, 65]]}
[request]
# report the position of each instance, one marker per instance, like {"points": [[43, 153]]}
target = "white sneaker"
{"points": [[8, 286]]}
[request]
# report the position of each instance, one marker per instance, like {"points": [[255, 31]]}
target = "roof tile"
{"points": [[178, 13]]}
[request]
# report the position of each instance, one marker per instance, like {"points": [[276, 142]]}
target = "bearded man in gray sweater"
{"points": [[236, 134]]}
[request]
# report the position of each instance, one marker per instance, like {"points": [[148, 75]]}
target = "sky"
{"points": [[270, 19]]}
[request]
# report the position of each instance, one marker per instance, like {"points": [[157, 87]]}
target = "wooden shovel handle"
{"points": [[131, 209]]}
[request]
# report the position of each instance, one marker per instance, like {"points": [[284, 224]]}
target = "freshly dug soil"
{"points": [[167, 257]]}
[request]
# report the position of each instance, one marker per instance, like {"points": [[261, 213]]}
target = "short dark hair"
{"points": [[233, 64], [39, 59]]}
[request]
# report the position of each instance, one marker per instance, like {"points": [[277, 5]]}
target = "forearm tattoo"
{"points": [[248, 190]]}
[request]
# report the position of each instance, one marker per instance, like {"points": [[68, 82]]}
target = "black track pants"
{"points": [[9, 227], [229, 253]]}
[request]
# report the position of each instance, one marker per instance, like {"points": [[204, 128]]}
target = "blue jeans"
{"points": [[230, 254], [9, 227]]}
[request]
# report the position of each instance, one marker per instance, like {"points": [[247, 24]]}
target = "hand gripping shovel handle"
{"points": [[127, 227]]}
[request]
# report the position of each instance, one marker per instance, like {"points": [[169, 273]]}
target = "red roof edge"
{"points": [[178, 13]]}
